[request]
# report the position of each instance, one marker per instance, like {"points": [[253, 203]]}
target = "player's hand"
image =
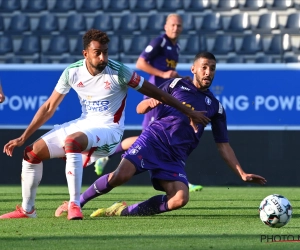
{"points": [[9, 147], [254, 178], [170, 74], [153, 103], [2, 97], [198, 117]]}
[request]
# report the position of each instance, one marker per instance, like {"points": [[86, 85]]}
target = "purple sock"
{"points": [[155, 205], [99, 187]]}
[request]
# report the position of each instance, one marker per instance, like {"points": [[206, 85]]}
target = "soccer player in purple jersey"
{"points": [[159, 59], [164, 146]]}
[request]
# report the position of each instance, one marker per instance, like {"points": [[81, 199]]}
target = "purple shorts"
{"points": [[149, 153]]}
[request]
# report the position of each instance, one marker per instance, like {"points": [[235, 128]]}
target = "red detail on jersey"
{"points": [[140, 157], [119, 112], [70, 173], [135, 80], [87, 159], [98, 139], [80, 85], [107, 85]]}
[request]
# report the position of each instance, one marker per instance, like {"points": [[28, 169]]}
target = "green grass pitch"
{"points": [[215, 218]]}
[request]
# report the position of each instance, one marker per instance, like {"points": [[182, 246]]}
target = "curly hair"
{"points": [[94, 35]]}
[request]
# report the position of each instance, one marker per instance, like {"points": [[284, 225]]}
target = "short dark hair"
{"points": [[94, 35], [206, 55]]}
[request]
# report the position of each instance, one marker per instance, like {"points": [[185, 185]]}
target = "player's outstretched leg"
{"points": [[32, 171], [194, 188]]}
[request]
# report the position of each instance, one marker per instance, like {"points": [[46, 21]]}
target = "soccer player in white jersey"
{"points": [[101, 85]]}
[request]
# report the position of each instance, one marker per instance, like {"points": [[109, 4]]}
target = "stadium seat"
{"points": [[78, 47], [137, 45], [198, 5], [195, 43], [212, 22], [10, 5], [6, 44], [14, 59], [30, 45], [35, 6], [279, 44], [188, 22], [253, 5], [171, 6], [42, 59], [236, 59], [19, 24], [75, 24], [293, 23], [226, 5], [2, 27], [47, 24], [59, 44], [292, 59], [117, 6], [267, 22], [264, 59], [90, 6], [63, 6], [154, 24], [282, 4], [69, 59], [144, 6], [223, 44], [251, 44], [129, 23], [103, 22], [239, 22], [115, 46]]}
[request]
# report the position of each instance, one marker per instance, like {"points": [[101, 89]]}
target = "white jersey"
{"points": [[102, 96]]}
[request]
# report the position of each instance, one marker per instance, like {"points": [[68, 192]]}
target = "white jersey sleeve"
{"points": [[126, 76]]}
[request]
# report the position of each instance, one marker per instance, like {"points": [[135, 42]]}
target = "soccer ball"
{"points": [[275, 210]]}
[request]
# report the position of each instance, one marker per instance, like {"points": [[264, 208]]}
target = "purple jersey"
{"points": [[173, 127], [164, 146], [161, 54]]}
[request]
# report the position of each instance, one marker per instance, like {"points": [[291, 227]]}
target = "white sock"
{"points": [[74, 172], [31, 178]]}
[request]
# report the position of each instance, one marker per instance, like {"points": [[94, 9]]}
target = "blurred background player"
{"points": [[159, 59], [2, 96]]}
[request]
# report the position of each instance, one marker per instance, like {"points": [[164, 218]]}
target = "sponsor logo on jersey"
{"points": [[135, 80], [148, 49], [171, 63], [80, 85], [220, 108], [107, 85], [207, 100], [185, 88], [175, 81]]}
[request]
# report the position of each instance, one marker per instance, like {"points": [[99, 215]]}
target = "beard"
{"points": [[100, 67]]}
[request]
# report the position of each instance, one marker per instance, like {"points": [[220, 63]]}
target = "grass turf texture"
{"points": [[215, 218]]}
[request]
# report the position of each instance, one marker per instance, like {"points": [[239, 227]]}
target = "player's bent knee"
{"points": [[72, 146], [30, 156]]}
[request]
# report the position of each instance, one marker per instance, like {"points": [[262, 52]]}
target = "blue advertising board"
{"points": [[255, 96]]}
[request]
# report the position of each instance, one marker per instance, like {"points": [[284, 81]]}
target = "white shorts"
{"points": [[103, 139]]}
